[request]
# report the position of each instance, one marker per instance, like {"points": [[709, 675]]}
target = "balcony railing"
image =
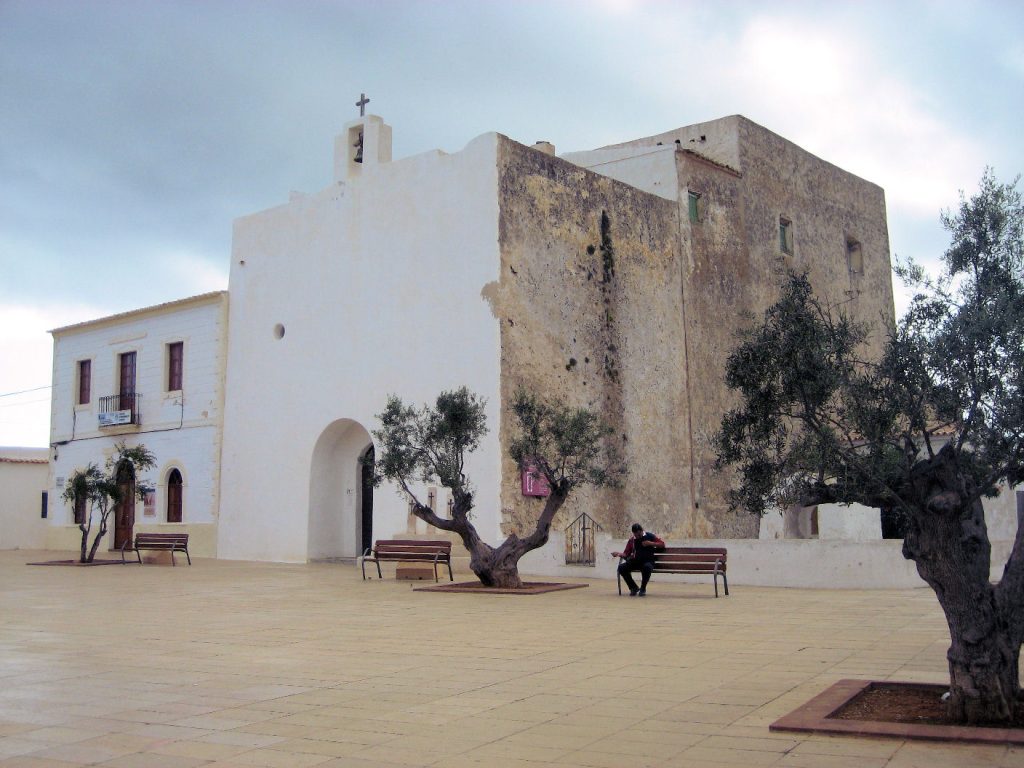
{"points": [[120, 410]]}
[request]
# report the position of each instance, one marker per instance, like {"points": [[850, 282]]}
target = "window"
{"points": [[80, 510], [84, 381], [854, 255], [785, 235], [175, 358], [174, 496], [696, 207], [127, 381]]}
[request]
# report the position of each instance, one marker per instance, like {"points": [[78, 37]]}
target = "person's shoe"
{"points": [[642, 593], [634, 592]]}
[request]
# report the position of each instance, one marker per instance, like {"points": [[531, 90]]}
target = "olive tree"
{"points": [[98, 492], [569, 446], [930, 428]]}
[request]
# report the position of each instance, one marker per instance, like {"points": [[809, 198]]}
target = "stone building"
{"points": [[613, 278]]}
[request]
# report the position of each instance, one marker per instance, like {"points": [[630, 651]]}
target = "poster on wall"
{"points": [[149, 504], [534, 482]]}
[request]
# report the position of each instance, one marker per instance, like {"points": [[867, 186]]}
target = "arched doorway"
{"points": [[340, 492], [124, 512]]}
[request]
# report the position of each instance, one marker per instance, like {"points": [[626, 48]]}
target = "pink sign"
{"points": [[534, 482]]}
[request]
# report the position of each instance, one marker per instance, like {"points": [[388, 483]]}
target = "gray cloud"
{"points": [[133, 132]]}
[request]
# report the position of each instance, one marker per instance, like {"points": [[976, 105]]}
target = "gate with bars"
{"points": [[580, 538]]}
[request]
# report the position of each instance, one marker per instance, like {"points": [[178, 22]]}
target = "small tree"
{"points": [[99, 493], [930, 428], [429, 445]]}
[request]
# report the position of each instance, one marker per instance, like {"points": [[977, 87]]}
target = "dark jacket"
{"points": [[642, 554]]}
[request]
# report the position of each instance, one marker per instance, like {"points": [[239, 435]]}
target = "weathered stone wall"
{"points": [[827, 205], [720, 285], [590, 307], [735, 265], [613, 298]]}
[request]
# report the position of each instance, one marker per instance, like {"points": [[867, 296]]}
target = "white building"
{"points": [[480, 268], [24, 502], [155, 377]]}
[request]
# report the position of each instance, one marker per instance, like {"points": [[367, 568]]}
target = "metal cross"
{"points": [[363, 101]]}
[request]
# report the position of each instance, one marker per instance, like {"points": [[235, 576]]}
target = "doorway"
{"points": [[366, 502], [340, 492], [124, 511]]}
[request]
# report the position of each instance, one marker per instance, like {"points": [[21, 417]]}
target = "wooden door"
{"points": [[127, 386], [124, 512]]}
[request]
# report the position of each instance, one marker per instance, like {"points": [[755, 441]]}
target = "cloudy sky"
{"points": [[132, 133]]}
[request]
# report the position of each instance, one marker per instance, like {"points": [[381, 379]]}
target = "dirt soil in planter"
{"points": [[907, 704], [528, 588]]}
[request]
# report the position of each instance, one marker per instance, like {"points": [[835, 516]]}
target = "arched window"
{"points": [[174, 496]]}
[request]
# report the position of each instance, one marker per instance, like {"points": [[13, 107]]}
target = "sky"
{"points": [[132, 133]]}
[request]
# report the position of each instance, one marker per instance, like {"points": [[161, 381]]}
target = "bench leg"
{"points": [[138, 555], [172, 556], [725, 581], [188, 557]]}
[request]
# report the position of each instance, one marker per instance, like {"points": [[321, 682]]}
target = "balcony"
{"points": [[120, 410]]}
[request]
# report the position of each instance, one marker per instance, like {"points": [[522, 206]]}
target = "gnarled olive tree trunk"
{"points": [[494, 566], [948, 541]]}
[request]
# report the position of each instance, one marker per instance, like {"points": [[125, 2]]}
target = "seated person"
{"points": [[639, 552]]}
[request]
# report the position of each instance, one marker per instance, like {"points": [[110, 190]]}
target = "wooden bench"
{"points": [[160, 542], [410, 551], [688, 560]]}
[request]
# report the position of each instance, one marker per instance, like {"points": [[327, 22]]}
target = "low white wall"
{"points": [[816, 563]]}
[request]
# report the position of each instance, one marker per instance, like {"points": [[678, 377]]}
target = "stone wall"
{"points": [[613, 298], [590, 307]]}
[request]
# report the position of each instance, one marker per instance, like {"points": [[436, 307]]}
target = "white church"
{"points": [[613, 278]]}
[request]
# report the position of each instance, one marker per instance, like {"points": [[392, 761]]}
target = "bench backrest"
{"points": [[690, 559], [411, 549], [161, 539]]}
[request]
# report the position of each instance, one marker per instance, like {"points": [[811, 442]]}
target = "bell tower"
{"points": [[364, 142]]}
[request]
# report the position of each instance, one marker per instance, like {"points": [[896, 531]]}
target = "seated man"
{"points": [[639, 552]]}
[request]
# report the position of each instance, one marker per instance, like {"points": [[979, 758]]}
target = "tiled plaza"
{"points": [[250, 664]]}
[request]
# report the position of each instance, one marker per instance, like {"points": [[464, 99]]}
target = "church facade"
{"points": [[614, 279]]}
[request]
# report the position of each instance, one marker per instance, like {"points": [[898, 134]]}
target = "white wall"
{"points": [[182, 428], [23, 473], [651, 169], [377, 284], [808, 563]]}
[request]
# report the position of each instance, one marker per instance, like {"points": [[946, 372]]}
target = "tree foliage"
{"points": [[99, 492], [430, 444], [930, 427]]}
